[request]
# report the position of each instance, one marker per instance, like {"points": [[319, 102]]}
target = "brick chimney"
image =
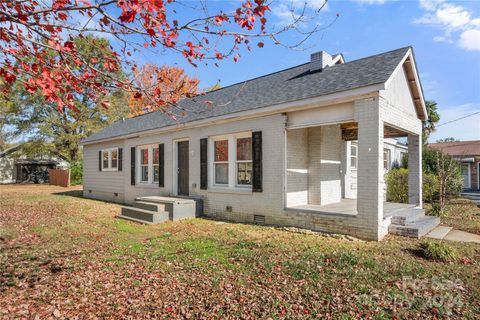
{"points": [[320, 60]]}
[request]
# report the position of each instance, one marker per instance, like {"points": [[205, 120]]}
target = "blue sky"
{"points": [[445, 36]]}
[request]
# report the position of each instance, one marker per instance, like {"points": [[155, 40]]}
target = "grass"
{"points": [[462, 214], [65, 253]]}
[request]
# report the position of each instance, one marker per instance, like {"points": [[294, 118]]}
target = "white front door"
{"points": [[466, 175]]}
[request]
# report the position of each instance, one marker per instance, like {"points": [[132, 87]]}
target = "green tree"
{"points": [[62, 131], [433, 118], [449, 139], [7, 111]]}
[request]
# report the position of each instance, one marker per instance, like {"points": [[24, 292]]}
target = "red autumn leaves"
{"points": [[34, 29]]}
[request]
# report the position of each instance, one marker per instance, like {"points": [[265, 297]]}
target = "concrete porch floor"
{"points": [[349, 207]]}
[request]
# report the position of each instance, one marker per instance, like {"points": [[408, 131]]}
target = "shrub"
{"points": [[431, 187], [438, 251], [436, 210], [397, 185], [76, 173]]}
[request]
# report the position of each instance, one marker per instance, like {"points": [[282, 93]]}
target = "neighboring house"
{"points": [[393, 153], [468, 154], [16, 167], [277, 149]]}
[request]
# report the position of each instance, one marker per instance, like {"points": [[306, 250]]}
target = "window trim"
{"points": [[232, 162], [353, 144], [150, 181], [388, 159], [109, 152]]}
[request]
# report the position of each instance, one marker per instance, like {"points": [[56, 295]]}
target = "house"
{"points": [[300, 147], [468, 154], [16, 166]]}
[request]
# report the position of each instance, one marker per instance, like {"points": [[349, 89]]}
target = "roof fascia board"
{"points": [[334, 98]]}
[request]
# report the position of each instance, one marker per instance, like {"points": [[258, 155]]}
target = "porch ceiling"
{"points": [[350, 132]]}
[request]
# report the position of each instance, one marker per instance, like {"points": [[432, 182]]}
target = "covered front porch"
{"points": [[344, 187]]}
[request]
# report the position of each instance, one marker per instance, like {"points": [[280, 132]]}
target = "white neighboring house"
{"points": [[16, 167], [277, 149]]}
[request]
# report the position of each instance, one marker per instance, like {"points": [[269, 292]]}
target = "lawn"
{"points": [[462, 214], [63, 256]]}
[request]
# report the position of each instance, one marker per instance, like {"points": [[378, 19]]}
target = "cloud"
{"points": [[470, 39], [455, 22]]}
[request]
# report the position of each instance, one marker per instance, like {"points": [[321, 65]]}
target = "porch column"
{"points": [[370, 169], [415, 169]]}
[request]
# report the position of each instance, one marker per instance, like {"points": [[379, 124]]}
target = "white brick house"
{"points": [[301, 147]]}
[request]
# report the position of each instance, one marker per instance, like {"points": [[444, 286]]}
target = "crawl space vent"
{"points": [[258, 219]]}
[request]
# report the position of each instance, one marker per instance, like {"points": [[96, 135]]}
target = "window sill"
{"points": [[236, 190], [109, 170]]}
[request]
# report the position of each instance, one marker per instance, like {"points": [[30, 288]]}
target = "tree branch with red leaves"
{"points": [[35, 28]]}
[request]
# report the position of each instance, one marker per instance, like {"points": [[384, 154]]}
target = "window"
{"points": [[144, 165], [221, 162], [232, 160], [156, 164], [110, 159], [386, 159], [114, 158], [148, 164], [244, 161], [353, 155]]}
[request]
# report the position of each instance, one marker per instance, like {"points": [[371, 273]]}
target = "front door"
{"points": [[182, 175], [466, 175]]}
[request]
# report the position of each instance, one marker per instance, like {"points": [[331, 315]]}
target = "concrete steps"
{"points": [[410, 215], [152, 210], [143, 216], [412, 222]]}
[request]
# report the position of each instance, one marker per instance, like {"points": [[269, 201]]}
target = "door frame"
{"points": [[469, 180], [175, 163]]}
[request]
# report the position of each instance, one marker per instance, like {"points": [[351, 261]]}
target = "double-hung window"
{"points": [[148, 164], [110, 159], [155, 164], [232, 160], [144, 164], [244, 161], [220, 166]]}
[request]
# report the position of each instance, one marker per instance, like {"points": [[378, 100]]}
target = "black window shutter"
{"points": [[100, 160], [120, 159], [257, 170], [132, 166], [161, 165], [203, 164]]}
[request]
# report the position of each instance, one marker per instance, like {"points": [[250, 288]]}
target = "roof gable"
{"points": [[409, 69]]}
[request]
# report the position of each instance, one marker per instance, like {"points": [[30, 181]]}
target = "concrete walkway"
{"points": [[447, 233]]}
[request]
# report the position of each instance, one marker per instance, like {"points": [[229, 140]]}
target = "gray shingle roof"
{"points": [[288, 85]]}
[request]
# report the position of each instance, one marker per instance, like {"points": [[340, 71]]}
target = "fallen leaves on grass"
{"points": [[68, 258]]}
